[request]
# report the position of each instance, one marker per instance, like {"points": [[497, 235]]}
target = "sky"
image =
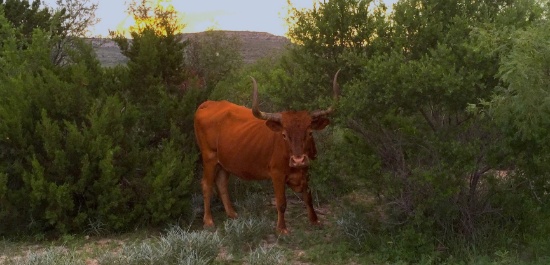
{"points": [[200, 15]]}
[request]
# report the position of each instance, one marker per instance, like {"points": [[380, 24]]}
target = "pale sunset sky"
{"points": [[200, 15]]}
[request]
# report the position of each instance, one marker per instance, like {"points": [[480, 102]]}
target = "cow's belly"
{"points": [[250, 176], [246, 164], [246, 149], [247, 172]]}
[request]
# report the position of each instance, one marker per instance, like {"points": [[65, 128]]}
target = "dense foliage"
{"points": [[87, 148], [442, 115], [29, 16], [442, 126]]}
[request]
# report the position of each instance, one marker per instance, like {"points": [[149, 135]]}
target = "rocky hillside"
{"points": [[254, 46]]}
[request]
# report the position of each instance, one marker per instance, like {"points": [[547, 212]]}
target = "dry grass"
{"points": [[250, 239]]}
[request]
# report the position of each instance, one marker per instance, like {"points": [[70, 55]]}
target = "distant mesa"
{"points": [[254, 46]]}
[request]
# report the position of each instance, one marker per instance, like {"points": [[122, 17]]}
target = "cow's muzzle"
{"points": [[299, 161]]}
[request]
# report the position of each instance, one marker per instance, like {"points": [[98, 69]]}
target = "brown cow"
{"points": [[255, 145]]}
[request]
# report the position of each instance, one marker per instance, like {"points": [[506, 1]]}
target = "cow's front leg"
{"points": [[306, 194], [280, 203]]}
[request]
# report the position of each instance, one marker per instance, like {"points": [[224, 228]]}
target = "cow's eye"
{"points": [[284, 136]]}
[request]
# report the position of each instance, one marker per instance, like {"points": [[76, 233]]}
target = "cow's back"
{"points": [[229, 133], [211, 116]]}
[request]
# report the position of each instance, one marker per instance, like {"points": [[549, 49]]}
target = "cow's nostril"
{"points": [[299, 161]]}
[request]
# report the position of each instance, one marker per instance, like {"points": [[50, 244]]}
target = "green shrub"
{"points": [[411, 84], [80, 147]]}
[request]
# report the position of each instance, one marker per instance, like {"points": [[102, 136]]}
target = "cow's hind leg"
{"points": [[222, 181], [207, 182]]}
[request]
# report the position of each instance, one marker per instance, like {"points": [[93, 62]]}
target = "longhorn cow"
{"points": [[255, 145]]}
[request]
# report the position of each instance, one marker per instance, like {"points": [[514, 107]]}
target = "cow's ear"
{"points": [[274, 125], [319, 123]]}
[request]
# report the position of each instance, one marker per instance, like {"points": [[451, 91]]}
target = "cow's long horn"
{"points": [[335, 97], [256, 110]]}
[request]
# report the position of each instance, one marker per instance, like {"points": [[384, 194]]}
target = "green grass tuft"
{"points": [[177, 246]]}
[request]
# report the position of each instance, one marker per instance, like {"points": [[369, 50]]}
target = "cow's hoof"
{"points": [[208, 225], [316, 223], [283, 231], [210, 228], [232, 215]]}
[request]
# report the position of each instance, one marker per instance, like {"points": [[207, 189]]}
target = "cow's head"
{"points": [[296, 126]]}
